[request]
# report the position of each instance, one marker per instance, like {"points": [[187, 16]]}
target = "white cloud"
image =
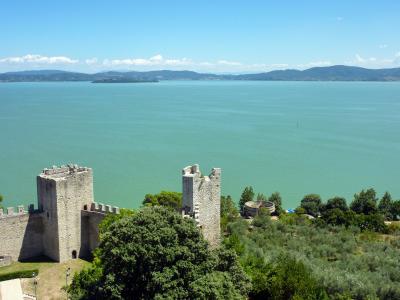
{"points": [[279, 66], [127, 62], [363, 60], [35, 61], [156, 60], [206, 64], [339, 19], [383, 46], [359, 59], [157, 57], [323, 63], [178, 62], [38, 59], [91, 61], [373, 62], [229, 63]]}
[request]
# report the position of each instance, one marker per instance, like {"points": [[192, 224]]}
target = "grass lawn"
{"points": [[51, 277]]}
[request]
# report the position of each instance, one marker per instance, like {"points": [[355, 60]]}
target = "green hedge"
{"points": [[19, 274]]}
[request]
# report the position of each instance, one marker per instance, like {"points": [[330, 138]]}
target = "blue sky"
{"points": [[216, 36]]}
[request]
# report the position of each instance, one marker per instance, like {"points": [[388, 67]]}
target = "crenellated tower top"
{"points": [[63, 171]]}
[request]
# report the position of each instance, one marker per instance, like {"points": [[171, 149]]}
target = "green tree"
{"points": [[300, 210], [1, 200], [290, 279], [261, 197], [339, 217], [337, 202], [164, 198], [277, 200], [395, 210], [284, 278], [311, 204], [364, 202], [229, 211], [157, 254], [85, 284], [228, 207], [247, 195], [112, 218], [372, 222], [334, 216], [385, 206], [233, 242]]}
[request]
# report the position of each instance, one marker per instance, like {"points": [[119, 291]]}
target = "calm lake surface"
{"points": [[330, 138]]}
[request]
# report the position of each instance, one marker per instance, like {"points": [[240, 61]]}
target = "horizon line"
{"points": [[199, 72]]}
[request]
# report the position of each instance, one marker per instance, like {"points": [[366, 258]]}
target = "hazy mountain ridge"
{"points": [[332, 73]]}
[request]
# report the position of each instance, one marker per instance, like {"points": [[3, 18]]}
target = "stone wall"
{"points": [[201, 199], [66, 224], [62, 193], [47, 200], [21, 236], [90, 232]]}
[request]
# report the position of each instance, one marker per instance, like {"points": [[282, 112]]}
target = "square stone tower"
{"points": [[201, 199], [63, 192]]}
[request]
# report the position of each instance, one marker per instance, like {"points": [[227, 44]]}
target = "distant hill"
{"points": [[44, 75], [333, 73]]}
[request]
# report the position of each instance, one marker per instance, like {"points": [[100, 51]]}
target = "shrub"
{"points": [[19, 274], [349, 263]]}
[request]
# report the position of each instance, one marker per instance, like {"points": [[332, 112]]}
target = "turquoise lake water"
{"points": [[330, 138]]}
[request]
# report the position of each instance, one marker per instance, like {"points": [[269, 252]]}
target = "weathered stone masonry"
{"points": [[202, 199], [21, 235], [65, 225]]}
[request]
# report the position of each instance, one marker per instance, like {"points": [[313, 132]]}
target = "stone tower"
{"points": [[63, 192], [201, 199]]}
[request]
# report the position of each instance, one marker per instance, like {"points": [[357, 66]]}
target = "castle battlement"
{"points": [[191, 171], [194, 171], [102, 208], [66, 223], [16, 211], [11, 211], [63, 171]]}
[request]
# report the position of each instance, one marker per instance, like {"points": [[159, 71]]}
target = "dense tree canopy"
{"points": [[389, 208], [365, 202], [311, 203], [294, 259], [336, 202], [112, 218], [164, 198], [154, 253], [395, 210], [157, 254]]}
